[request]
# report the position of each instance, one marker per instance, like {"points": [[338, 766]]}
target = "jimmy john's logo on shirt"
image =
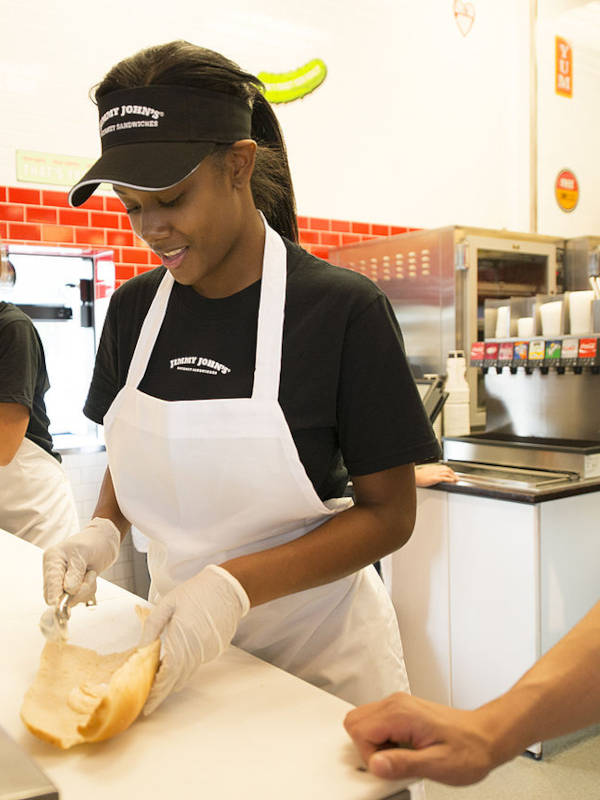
{"points": [[151, 117], [199, 364]]}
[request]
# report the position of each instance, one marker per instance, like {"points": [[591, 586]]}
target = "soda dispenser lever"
{"points": [[560, 354]]}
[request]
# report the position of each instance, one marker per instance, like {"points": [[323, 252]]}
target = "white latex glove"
{"points": [[198, 620], [72, 565]]}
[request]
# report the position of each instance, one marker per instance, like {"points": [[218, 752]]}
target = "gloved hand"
{"points": [[198, 620], [72, 565]]}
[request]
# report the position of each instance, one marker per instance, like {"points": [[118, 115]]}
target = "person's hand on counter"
{"points": [[197, 620], [430, 474], [406, 737], [73, 565], [443, 744]]}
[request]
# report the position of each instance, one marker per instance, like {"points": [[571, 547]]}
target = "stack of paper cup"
{"points": [[525, 327], [490, 315], [503, 322], [552, 318], [580, 311]]}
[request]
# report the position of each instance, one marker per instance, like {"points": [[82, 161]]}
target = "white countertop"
{"points": [[241, 729]]}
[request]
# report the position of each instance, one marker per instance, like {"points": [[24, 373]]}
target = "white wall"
{"points": [[418, 124], [415, 124], [568, 126]]}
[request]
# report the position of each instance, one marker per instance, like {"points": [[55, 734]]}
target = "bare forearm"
{"points": [[108, 507], [560, 694], [344, 544], [14, 419]]}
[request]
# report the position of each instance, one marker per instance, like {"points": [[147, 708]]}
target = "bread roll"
{"points": [[80, 696]]}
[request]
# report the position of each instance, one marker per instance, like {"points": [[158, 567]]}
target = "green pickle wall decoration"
{"points": [[283, 87]]}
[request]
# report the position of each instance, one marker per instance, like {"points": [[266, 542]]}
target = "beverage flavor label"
{"points": [[588, 348], [537, 349], [553, 349], [521, 351], [570, 348], [491, 351], [477, 351], [505, 353]]}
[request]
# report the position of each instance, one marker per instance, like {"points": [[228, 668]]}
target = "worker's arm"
{"points": [[380, 522], [14, 419], [559, 694], [107, 506], [74, 564]]}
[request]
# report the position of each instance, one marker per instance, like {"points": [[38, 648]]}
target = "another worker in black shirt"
{"points": [[36, 501]]}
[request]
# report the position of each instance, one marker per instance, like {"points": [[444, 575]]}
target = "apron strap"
{"points": [[270, 317], [149, 332]]}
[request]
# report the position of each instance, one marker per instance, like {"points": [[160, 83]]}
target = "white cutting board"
{"points": [[241, 729]]}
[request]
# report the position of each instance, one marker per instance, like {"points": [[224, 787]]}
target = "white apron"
{"points": [[209, 480], [36, 500]]}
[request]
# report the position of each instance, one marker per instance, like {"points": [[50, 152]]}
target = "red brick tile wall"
{"points": [[319, 236], [40, 216]]}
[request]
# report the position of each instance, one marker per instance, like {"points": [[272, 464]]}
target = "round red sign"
{"points": [[566, 190]]}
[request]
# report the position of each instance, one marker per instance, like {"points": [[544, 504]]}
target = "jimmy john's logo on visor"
{"points": [[120, 114]]}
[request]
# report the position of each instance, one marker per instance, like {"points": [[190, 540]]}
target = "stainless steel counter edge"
{"points": [[568, 489]]}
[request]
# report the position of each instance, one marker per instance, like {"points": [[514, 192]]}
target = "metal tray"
{"points": [[579, 457], [490, 475]]}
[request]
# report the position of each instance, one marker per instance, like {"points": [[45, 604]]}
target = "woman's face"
{"points": [[196, 227]]}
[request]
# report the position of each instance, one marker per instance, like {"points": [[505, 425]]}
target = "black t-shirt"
{"points": [[346, 389], [23, 375]]}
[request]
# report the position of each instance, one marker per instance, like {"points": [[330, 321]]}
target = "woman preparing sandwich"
{"points": [[240, 384]]}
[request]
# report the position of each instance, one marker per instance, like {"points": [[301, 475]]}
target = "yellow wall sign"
{"points": [[51, 168], [283, 87], [566, 190], [564, 68]]}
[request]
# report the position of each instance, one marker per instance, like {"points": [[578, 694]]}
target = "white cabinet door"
{"points": [[494, 595], [485, 586], [419, 589], [570, 563]]}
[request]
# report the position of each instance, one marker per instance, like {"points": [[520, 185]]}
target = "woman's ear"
{"points": [[240, 159]]}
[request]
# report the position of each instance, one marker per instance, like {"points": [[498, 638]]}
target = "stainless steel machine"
{"points": [[535, 399], [543, 415], [582, 261], [542, 394], [20, 776], [438, 281]]}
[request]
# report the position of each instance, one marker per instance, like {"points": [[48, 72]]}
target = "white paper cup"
{"points": [[490, 315], [552, 318], [503, 322], [580, 311], [596, 315], [525, 327]]}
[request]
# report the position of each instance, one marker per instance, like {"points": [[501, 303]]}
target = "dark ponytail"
{"points": [[181, 63], [272, 182]]}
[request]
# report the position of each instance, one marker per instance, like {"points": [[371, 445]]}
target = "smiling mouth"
{"points": [[171, 259]]}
